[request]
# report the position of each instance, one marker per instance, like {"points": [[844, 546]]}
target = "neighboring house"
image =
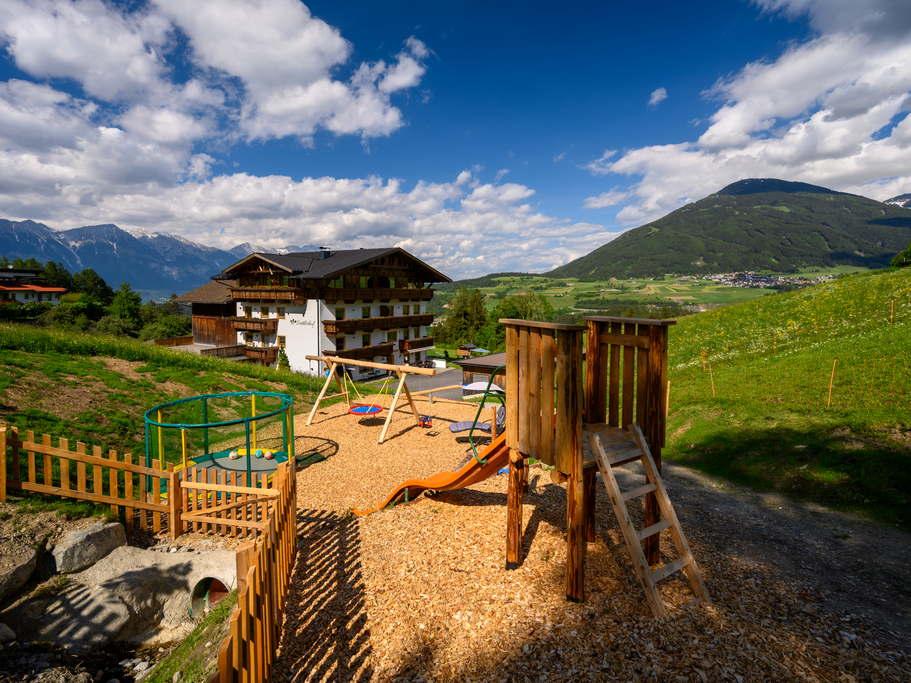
{"points": [[366, 304], [212, 310], [23, 285]]}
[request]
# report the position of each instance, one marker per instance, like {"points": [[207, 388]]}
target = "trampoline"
{"points": [[239, 431]]}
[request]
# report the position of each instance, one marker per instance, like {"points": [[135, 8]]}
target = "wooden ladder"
{"points": [[607, 459]]}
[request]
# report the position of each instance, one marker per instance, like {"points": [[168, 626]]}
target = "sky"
{"points": [[483, 137]]}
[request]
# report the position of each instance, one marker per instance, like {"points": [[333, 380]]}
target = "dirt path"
{"points": [[421, 592], [855, 566]]}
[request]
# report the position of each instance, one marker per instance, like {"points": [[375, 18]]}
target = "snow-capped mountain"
{"points": [[153, 263], [902, 200], [246, 248]]}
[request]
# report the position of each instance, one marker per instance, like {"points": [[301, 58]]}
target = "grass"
{"points": [[65, 384], [769, 426], [196, 657]]}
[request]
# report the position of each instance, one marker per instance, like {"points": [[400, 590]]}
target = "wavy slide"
{"points": [[495, 456]]}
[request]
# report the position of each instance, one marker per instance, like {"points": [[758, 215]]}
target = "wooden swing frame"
{"points": [[402, 371]]}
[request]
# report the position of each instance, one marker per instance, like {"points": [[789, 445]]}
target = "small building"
{"points": [[365, 304], [24, 286], [212, 313]]}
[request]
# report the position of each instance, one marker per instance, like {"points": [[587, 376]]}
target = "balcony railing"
{"points": [[331, 294], [224, 351], [367, 352], [406, 345], [269, 325], [268, 294], [388, 322], [263, 354]]}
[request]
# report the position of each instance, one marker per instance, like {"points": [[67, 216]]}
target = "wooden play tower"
{"points": [[591, 412]]}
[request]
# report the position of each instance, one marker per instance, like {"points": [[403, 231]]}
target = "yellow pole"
{"points": [[160, 442], [831, 384], [183, 446], [253, 415]]}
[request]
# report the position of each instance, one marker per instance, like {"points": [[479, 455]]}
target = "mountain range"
{"points": [[756, 224]]}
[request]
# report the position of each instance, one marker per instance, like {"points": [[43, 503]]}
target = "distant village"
{"points": [[749, 279]]}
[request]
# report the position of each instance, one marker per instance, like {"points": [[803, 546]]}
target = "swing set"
{"points": [[359, 407]]}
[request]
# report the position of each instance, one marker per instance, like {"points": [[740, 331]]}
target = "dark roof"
{"points": [[213, 292], [316, 265], [483, 364]]}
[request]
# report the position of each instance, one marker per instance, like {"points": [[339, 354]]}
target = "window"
{"points": [[340, 313], [280, 311], [248, 311], [364, 282], [263, 311], [340, 343], [417, 332], [385, 311], [337, 283], [281, 341], [406, 309], [391, 336], [365, 339], [406, 333], [365, 312]]}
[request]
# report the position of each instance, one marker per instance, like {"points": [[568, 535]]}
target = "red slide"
{"points": [[495, 456]]}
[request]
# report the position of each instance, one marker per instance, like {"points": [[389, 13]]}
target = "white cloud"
{"points": [[605, 199], [657, 97], [831, 111]]}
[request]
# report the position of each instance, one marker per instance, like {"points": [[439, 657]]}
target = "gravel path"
{"points": [[421, 592]]}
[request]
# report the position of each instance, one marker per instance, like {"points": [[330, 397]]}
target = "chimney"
{"points": [[325, 252]]}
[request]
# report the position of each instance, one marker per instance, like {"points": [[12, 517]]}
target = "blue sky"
{"points": [[483, 138]]}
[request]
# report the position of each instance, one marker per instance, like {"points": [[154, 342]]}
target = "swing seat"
{"points": [[364, 409]]}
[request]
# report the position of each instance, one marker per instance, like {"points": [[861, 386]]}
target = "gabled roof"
{"points": [[213, 292], [317, 265]]}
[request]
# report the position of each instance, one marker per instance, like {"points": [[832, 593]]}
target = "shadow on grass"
{"points": [[855, 470]]}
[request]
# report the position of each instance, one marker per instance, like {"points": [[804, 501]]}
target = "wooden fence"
{"points": [[219, 502], [136, 493], [263, 575], [185, 340]]}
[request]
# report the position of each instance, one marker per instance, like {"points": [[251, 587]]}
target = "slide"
{"points": [[495, 456]]}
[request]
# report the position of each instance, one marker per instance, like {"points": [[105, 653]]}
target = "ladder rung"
{"points": [[623, 457], [639, 492], [653, 529], [663, 572]]}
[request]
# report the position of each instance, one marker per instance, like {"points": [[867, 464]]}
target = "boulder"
{"points": [[16, 569], [80, 549], [6, 634]]}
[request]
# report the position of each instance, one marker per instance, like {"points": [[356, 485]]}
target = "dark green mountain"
{"points": [[755, 224]]}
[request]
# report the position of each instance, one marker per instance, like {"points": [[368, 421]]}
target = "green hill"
{"points": [[756, 224], [771, 361]]}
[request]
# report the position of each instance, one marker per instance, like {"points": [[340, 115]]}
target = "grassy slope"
{"points": [[771, 360], [66, 384], [782, 231]]}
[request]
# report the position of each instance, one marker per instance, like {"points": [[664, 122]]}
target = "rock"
{"points": [[80, 549], [6, 634], [175, 677], [16, 569]]}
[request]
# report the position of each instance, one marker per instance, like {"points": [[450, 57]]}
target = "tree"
{"points": [[282, 362], [92, 284], [902, 258], [56, 275], [465, 317], [126, 306], [524, 306]]}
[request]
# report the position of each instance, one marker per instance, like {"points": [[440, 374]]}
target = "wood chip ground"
{"points": [[420, 592]]}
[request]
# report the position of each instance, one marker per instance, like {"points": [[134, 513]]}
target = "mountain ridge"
{"points": [[754, 224]]}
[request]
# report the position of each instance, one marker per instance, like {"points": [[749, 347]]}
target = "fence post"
{"points": [[174, 503], [244, 560], [2, 463]]}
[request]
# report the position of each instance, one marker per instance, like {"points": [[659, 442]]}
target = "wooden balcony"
{"points": [[368, 352], [266, 325], [406, 345], [291, 294], [231, 351], [262, 354], [389, 322], [350, 296]]}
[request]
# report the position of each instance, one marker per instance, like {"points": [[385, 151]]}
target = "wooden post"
{"points": [[570, 345], [2, 463], [175, 501], [590, 491], [392, 407], [322, 392], [655, 427], [514, 494], [244, 559], [595, 377], [831, 383]]}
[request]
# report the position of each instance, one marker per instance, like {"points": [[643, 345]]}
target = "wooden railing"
{"points": [[268, 294], [224, 351], [263, 575], [215, 501], [389, 322], [175, 341], [367, 352], [262, 354], [406, 345], [351, 295], [256, 324], [136, 493]]}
